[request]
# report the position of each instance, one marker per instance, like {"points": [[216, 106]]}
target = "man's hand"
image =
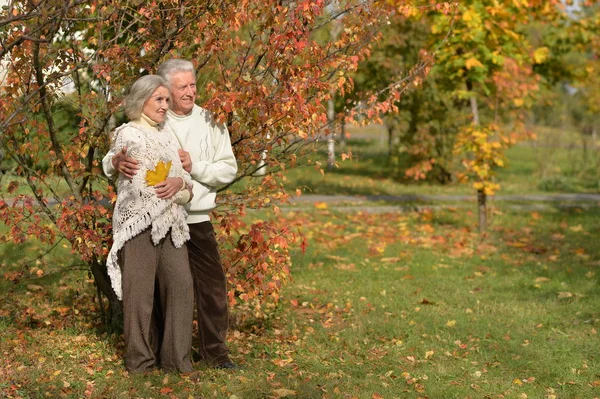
{"points": [[186, 160], [125, 164], [169, 187]]}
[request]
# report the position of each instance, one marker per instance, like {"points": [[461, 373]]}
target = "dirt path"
{"points": [[401, 203]]}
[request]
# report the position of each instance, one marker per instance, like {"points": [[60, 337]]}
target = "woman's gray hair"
{"points": [[140, 91], [174, 65]]}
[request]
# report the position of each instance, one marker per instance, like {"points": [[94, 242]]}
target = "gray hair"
{"points": [[140, 91], [174, 65]]}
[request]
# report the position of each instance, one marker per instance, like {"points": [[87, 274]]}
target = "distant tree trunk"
{"points": [[481, 195], [474, 110], [482, 210], [390, 130], [331, 136], [342, 123]]}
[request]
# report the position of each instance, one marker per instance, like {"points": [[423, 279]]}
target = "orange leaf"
{"points": [[472, 63]]}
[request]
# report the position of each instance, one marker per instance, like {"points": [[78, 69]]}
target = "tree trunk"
{"points": [[331, 136], [390, 139], [342, 123], [481, 196], [482, 210], [474, 110], [102, 281]]}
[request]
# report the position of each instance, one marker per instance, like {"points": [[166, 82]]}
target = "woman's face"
{"points": [[157, 104]]}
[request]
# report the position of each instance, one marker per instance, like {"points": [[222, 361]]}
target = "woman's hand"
{"points": [[169, 187], [190, 188]]}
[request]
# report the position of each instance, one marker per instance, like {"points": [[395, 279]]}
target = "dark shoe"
{"points": [[228, 365]]}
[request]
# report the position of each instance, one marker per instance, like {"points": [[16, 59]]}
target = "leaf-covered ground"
{"points": [[398, 305]]}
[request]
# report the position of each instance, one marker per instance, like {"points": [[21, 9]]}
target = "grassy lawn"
{"points": [[556, 162], [402, 305], [381, 305]]}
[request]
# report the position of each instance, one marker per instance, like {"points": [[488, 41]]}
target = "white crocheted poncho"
{"points": [[137, 206]]}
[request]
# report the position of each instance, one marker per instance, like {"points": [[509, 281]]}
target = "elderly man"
{"points": [[207, 155]]}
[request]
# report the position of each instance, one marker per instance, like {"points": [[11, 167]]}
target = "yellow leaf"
{"points": [[472, 63], [540, 54], [470, 15], [320, 205], [159, 174]]}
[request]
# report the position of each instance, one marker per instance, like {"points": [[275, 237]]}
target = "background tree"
{"points": [[421, 130], [475, 100]]}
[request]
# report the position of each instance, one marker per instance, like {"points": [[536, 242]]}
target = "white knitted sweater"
{"points": [[137, 206]]}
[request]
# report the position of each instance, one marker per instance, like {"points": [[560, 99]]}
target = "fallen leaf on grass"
{"points": [[320, 205], [282, 362], [344, 266], [564, 295], [282, 393]]}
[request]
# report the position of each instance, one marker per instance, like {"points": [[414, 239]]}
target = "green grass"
{"points": [[395, 306], [556, 162]]}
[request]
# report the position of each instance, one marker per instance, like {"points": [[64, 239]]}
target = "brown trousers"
{"points": [[157, 306], [210, 291]]}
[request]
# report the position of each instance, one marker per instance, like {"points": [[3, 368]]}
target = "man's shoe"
{"points": [[228, 365]]}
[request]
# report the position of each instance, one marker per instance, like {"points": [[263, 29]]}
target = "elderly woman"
{"points": [[148, 262]]}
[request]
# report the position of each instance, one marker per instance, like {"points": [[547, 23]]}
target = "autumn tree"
{"points": [[491, 60], [475, 100], [261, 70]]}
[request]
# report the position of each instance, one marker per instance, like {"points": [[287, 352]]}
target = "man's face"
{"points": [[183, 92]]}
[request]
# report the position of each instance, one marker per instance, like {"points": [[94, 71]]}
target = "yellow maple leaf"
{"points": [[473, 62], [159, 174]]}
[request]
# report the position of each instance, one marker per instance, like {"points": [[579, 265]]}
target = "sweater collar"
{"points": [[146, 121], [177, 116]]}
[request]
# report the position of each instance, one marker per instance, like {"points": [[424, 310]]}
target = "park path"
{"points": [[411, 202]]}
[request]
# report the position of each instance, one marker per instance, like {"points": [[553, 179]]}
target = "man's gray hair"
{"points": [[140, 91], [174, 65]]}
